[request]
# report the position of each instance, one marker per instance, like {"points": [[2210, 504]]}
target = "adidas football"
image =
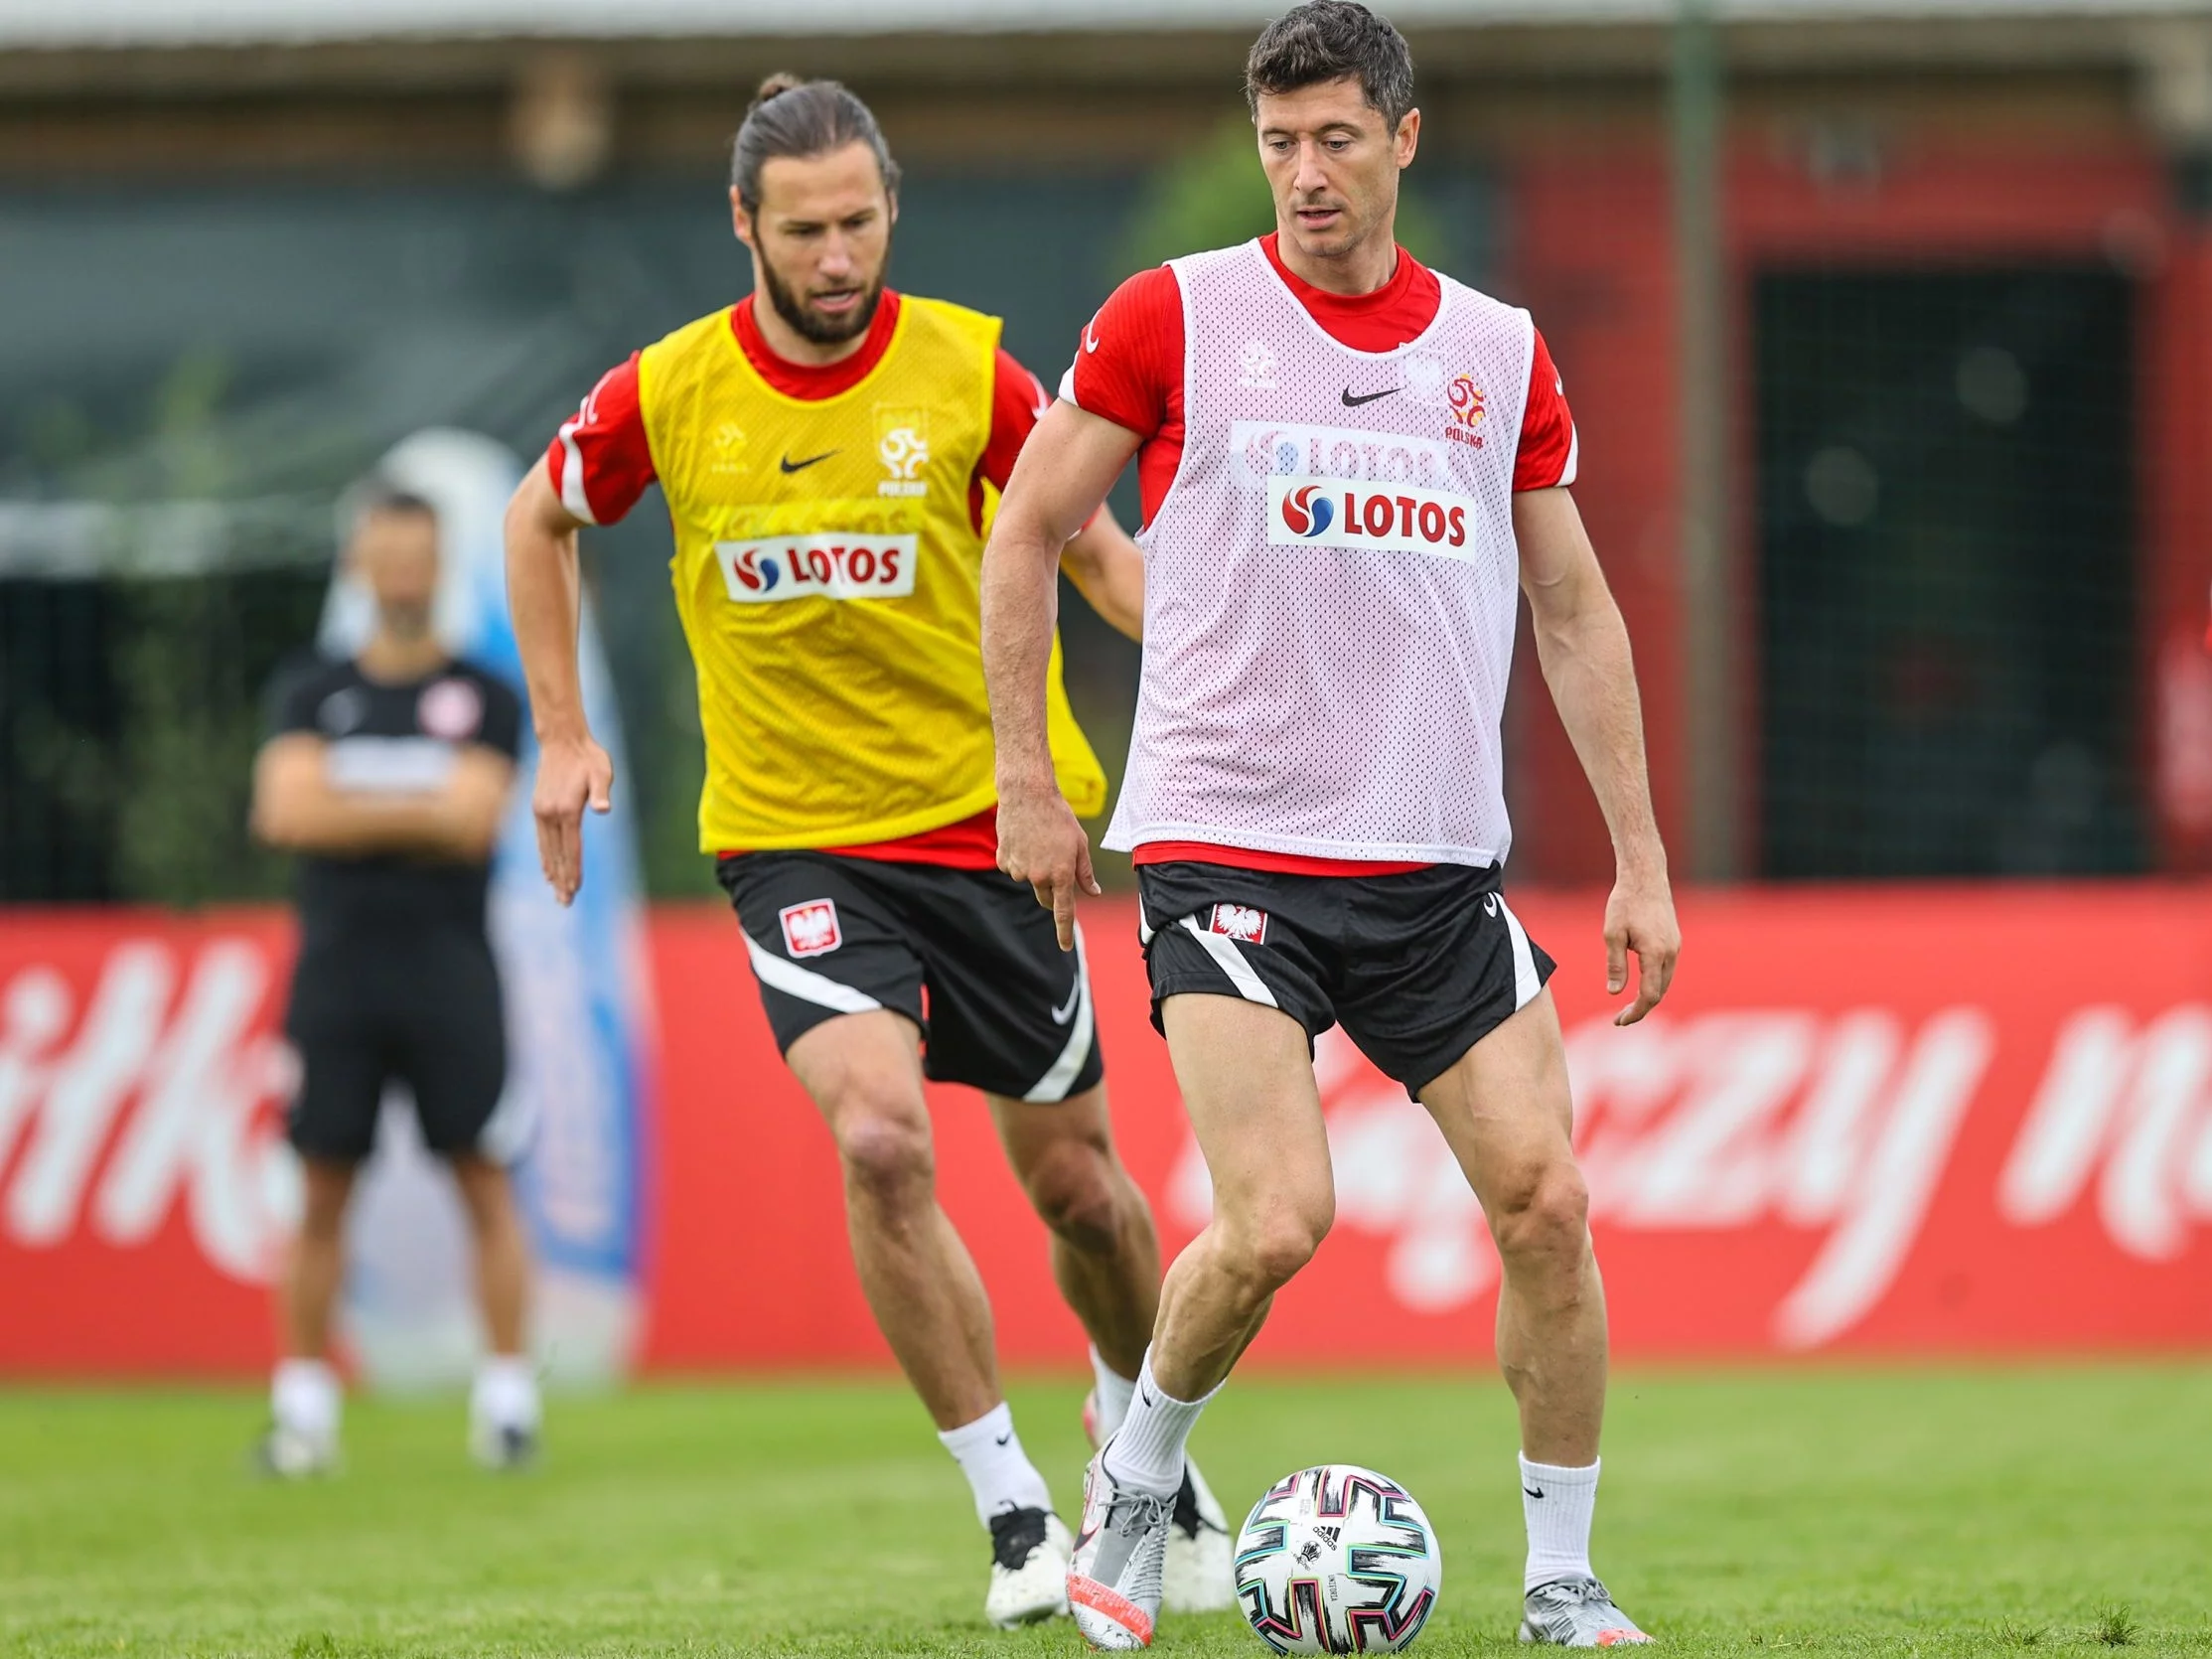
{"points": [[1337, 1560]]}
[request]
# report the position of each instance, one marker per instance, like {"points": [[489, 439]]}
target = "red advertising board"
{"points": [[1898, 1121]]}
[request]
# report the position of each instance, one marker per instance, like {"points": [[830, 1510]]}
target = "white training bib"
{"points": [[1331, 582]]}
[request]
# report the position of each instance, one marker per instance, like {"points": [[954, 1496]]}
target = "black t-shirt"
{"points": [[402, 739]]}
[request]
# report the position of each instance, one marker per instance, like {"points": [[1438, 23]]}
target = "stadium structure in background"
{"points": [[1918, 577]]}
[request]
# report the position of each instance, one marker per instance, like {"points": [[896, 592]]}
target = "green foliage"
{"points": [[191, 722], [162, 787], [167, 790], [1213, 195]]}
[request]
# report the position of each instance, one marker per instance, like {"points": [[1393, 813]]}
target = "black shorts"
{"points": [[422, 1008], [1419, 967], [968, 955]]}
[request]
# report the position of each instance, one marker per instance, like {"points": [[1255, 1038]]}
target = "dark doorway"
{"points": [[1947, 566]]}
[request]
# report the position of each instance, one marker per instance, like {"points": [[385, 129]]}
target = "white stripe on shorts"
{"points": [[806, 985], [1525, 984], [1054, 1085], [1232, 962]]}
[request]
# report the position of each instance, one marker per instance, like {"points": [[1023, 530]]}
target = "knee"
{"points": [[323, 1210], [1269, 1249], [1543, 1218], [1074, 1191], [885, 1153]]}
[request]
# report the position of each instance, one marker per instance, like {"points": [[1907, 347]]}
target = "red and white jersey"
{"points": [[1331, 580]]}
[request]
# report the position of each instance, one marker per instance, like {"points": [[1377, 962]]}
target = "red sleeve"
{"points": [[1128, 366], [600, 462], [1551, 450], [1018, 402]]}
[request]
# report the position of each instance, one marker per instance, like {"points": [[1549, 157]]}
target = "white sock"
{"points": [[1147, 1449], [506, 1393], [1112, 1392], [304, 1397], [999, 1471], [1557, 1504]]}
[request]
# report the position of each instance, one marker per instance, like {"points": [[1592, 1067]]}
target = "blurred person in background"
{"points": [[1314, 797], [388, 774], [831, 450]]}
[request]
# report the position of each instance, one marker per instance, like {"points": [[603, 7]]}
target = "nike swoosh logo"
{"points": [[1532, 1492], [1090, 340], [1004, 1439], [1067, 1011], [791, 466], [1352, 403]]}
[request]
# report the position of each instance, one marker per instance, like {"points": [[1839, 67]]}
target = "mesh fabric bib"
{"points": [[1331, 582], [829, 580]]}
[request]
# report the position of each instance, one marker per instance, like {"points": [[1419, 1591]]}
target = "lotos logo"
{"points": [[757, 571], [1397, 519], [1307, 511], [835, 566], [1261, 450]]}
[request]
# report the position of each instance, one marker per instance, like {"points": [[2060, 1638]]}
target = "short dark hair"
{"points": [[376, 497], [794, 117], [1328, 40]]}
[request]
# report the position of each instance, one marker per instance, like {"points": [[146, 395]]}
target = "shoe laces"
{"points": [[1017, 1534], [1137, 1512], [1577, 1590]]}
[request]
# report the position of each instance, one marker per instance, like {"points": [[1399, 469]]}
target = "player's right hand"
{"points": [[1040, 842], [572, 773]]}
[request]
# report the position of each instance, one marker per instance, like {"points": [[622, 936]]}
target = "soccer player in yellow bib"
{"points": [[831, 451]]}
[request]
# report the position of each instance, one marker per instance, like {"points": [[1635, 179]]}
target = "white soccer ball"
{"points": [[1337, 1560]]}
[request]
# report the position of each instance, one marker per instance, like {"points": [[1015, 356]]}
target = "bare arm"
{"points": [[1065, 471], [543, 594], [1582, 646], [296, 809], [1108, 569]]}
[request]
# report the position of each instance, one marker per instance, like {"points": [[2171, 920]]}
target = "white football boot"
{"points": [[287, 1454], [1198, 1576], [1113, 1578], [1576, 1612], [1029, 1568]]}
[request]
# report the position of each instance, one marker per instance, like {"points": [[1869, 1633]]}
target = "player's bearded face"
{"points": [[827, 312], [823, 241], [1332, 163]]}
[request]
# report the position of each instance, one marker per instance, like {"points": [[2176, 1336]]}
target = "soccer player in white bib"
{"points": [[1350, 467]]}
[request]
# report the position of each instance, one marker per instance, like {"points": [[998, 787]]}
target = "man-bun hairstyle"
{"points": [[790, 116], [1327, 40]]}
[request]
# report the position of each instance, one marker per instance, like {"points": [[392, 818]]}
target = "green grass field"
{"points": [[1960, 1511]]}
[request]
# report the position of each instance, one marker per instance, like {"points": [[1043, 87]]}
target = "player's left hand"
{"points": [[1041, 841], [573, 773], [1640, 917]]}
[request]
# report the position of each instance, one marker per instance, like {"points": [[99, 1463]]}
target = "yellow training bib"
{"points": [[829, 580]]}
